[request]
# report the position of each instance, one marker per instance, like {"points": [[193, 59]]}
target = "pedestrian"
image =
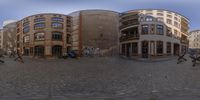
{"points": [[19, 56]]}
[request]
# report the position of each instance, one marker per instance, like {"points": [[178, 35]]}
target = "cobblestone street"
{"points": [[98, 79]]}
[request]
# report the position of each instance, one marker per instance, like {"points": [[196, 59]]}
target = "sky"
{"points": [[18, 9]]}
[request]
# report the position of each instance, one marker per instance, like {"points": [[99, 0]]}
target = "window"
{"points": [[160, 14], [168, 47], [26, 29], [145, 29], [175, 33], [68, 21], [68, 39], [169, 31], [57, 36], [39, 51], [170, 16], [142, 19], [26, 39], [57, 19], [176, 24], [135, 48], [149, 18], [57, 51], [39, 36], [169, 21], [175, 18], [39, 25], [159, 47], [39, 20], [159, 29], [160, 19], [57, 25], [25, 24], [152, 29]]}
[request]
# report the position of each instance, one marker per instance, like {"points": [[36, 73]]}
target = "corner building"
{"points": [[44, 35], [153, 33]]}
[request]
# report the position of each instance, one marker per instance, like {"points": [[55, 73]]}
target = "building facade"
{"points": [[44, 35], [9, 38], [153, 33], [96, 30], [194, 39]]}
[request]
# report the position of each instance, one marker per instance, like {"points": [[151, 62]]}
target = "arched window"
{"points": [[57, 36], [149, 18], [39, 36]]}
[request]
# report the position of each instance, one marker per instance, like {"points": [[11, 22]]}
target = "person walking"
{"points": [[19, 56]]}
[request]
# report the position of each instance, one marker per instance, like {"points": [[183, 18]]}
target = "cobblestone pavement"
{"points": [[98, 79]]}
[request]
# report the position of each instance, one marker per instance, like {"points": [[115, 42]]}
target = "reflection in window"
{"points": [[159, 29], [57, 19], [39, 36], [57, 25], [149, 18], [26, 29], [39, 25], [57, 36], [145, 29]]}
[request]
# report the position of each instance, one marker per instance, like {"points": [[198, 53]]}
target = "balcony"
{"points": [[184, 41], [129, 38], [129, 24]]}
